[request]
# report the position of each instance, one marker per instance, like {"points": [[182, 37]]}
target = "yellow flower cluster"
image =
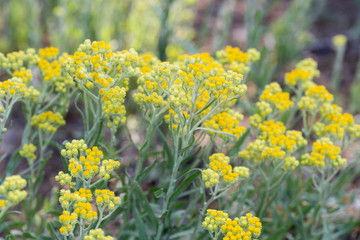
{"points": [[63, 178], [179, 98], [74, 148], [243, 172], [177, 119], [15, 88], [194, 86], [84, 211], [81, 201], [307, 103], [17, 60], [221, 171], [271, 128], [238, 60], [95, 64], [153, 87], [274, 143], [113, 106], [67, 199], [11, 191], [320, 94], [48, 53], [107, 198], [51, 70], [227, 122], [265, 109], [68, 221], [24, 74], [48, 121], [302, 76], [107, 167], [336, 124], [246, 227], [147, 62], [214, 220], [256, 119], [277, 99], [210, 177], [324, 153], [28, 152], [97, 234], [88, 165], [86, 162], [332, 122], [12, 88]]}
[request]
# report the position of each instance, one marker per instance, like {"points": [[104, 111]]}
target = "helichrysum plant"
{"points": [[11, 193], [202, 158], [84, 206], [246, 227]]}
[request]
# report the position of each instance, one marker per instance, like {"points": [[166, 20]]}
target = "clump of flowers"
{"points": [[198, 88], [97, 234], [52, 72], [48, 121], [28, 152], [113, 108], [324, 153], [49, 53], [11, 192], [147, 61], [16, 60], [220, 171], [23, 74], [302, 76], [74, 148], [225, 122], [328, 119], [94, 64], [246, 227], [12, 91], [274, 144], [273, 102], [237, 60], [103, 75], [87, 168], [278, 100]]}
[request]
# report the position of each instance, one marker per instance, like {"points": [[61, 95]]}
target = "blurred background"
{"points": [[284, 30]]}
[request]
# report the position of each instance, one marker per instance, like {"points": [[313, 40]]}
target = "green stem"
{"points": [[150, 131], [81, 229], [3, 211], [171, 187], [335, 80], [101, 210]]}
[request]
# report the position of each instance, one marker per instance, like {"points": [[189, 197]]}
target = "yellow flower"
{"points": [[339, 40], [48, 121], [28, 152], [97, 234], [11, 191], [48, 52], [324, 153], [227, 122], [274, 95]]}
